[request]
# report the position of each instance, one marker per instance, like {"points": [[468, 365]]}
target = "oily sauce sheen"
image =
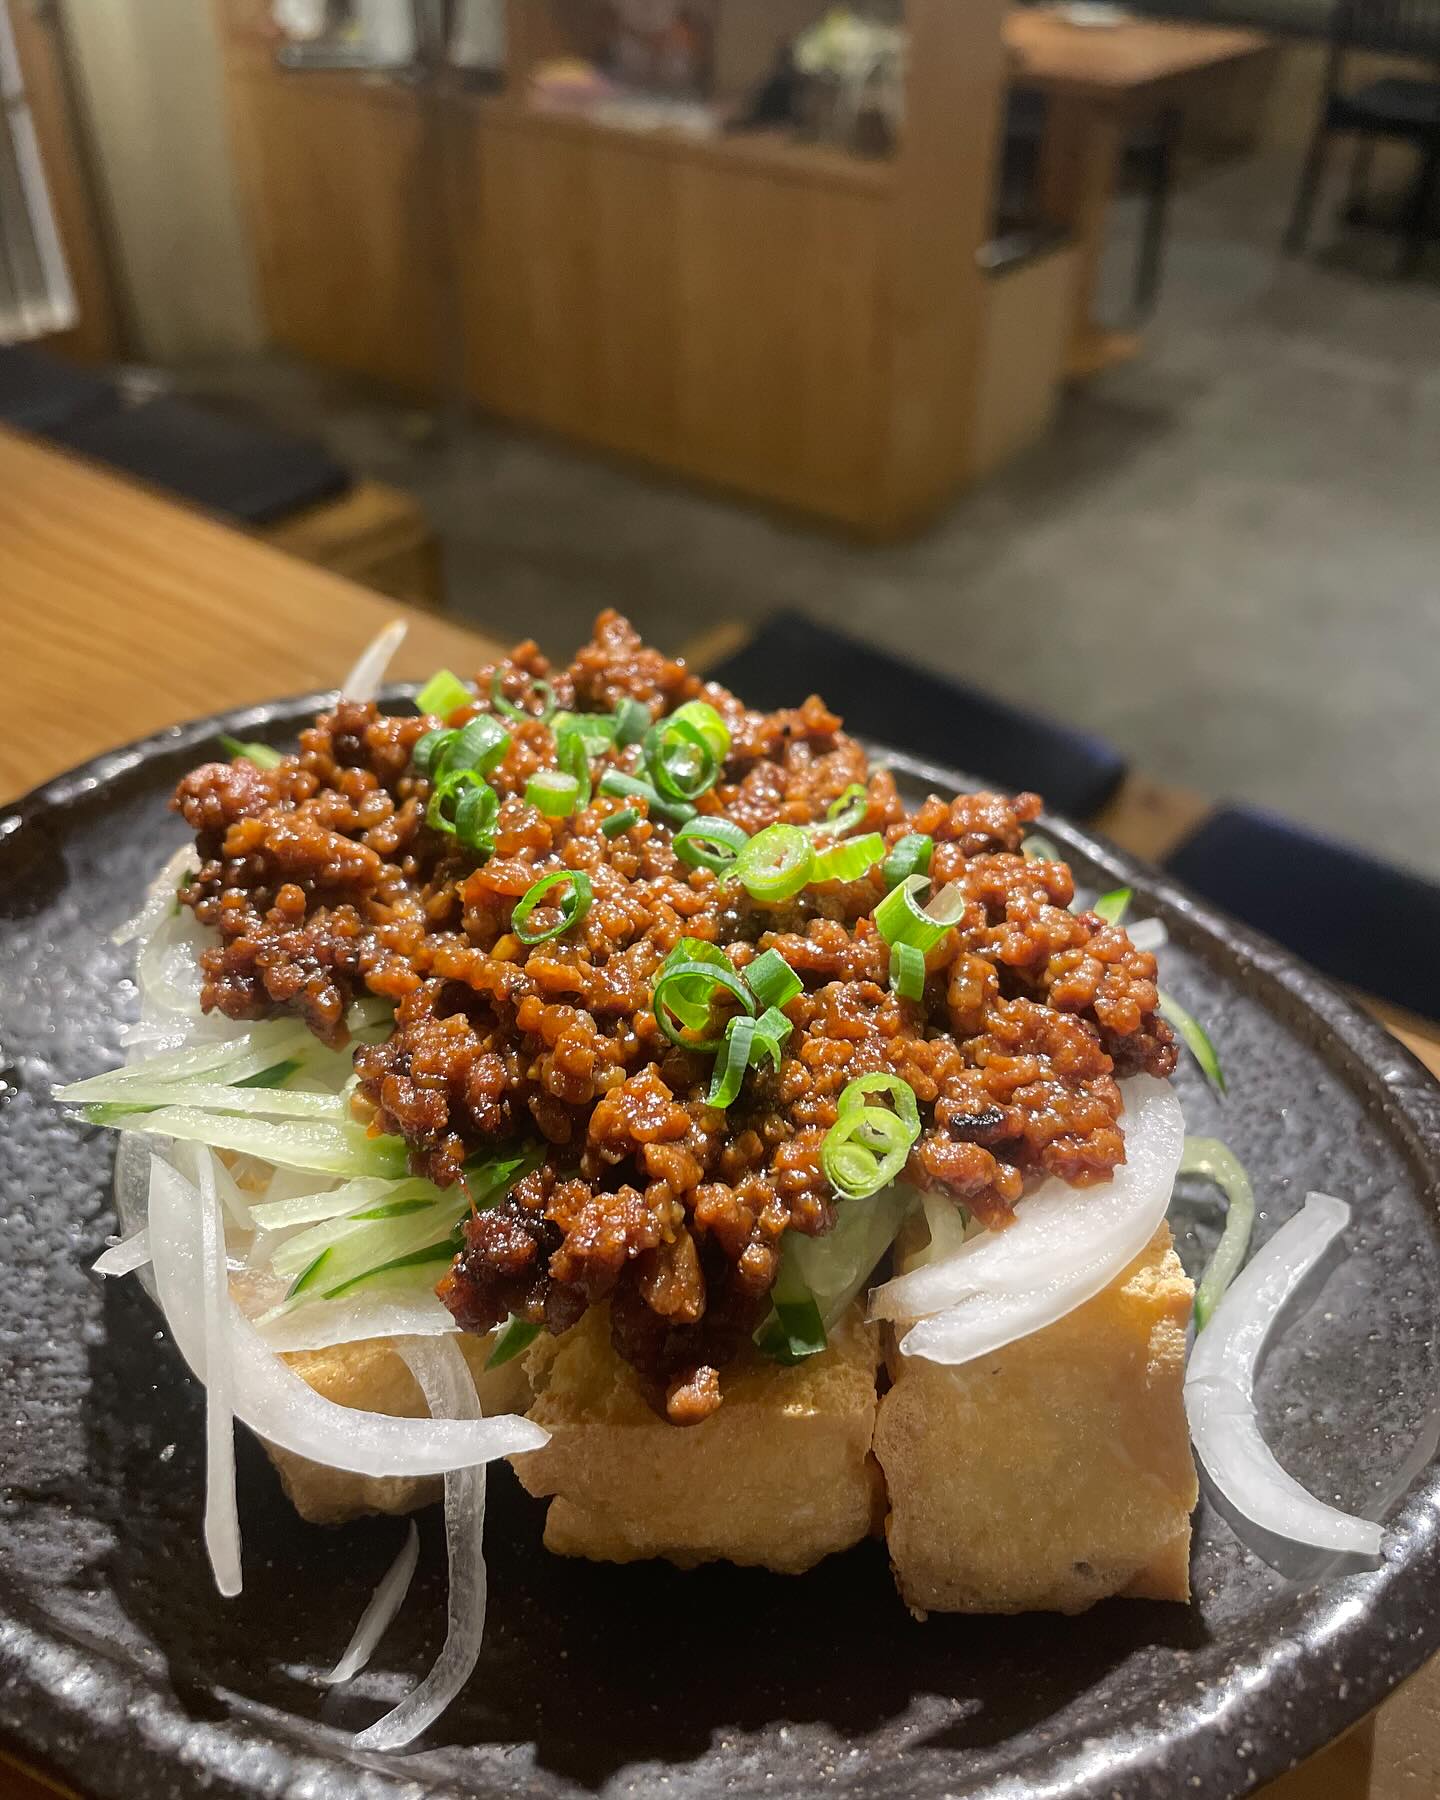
{"points": [[323, 882]]}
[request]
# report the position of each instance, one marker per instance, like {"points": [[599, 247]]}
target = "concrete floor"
{"points": [[1226, 560]]}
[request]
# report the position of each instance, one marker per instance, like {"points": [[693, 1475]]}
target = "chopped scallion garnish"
{"points": [[848, 860], [689, 983], [632, 721], [1112, 907], [1038, 848], [480, 745], [900, 919], [555, 793], [708, 843], [262, 755], [573, 907], [907, 971], [534, 685], [909, 855], [619, 822], [463, 804], [444, 694], [844, 814], [776, 863], [630, 787], [771, 979], [732, 1062], [684, 753], [1194, 1037], [867, 1146]]}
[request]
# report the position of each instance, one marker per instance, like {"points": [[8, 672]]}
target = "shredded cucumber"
{"points": [[828, 1272], [329, 1149]]}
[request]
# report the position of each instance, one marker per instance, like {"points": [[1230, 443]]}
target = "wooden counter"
{"points": [[133, 613]]}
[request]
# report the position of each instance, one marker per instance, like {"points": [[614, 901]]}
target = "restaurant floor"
{"points": [[1227, 559]]}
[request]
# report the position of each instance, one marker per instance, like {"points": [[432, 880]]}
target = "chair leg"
{"points": [[1358, 201], [1420, 210], [1309, 187], [1152, 242]]}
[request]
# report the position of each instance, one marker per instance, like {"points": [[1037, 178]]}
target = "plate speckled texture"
{"points": [[121, 1667]]}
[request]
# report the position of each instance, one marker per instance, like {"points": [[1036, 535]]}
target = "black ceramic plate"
{"points": [[121, 1667]]}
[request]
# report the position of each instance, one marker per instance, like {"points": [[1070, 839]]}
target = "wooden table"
{"points": [[1098, 79], [129, 613]]}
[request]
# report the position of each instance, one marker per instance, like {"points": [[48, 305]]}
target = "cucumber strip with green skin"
{"points": [[1216, 1162], [517, 1337], [331, 1149], [1194, 1037], [819, 1277]]}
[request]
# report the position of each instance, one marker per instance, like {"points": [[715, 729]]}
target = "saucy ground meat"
{"points": [[323, 882]]}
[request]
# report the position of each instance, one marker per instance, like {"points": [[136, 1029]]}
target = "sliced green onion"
{"points": [[275, 1076], [867, 1146], [553, 792], [262, 755], [430, 749], [772, 1033], [844, 814], [1038, 848], [595, 730], [1113, 906], [619, 822], [689, 1000], [630, 787], [573, 907], [1194, 1037], [680, 758], [732, 1062], [517, 1336], [909, 855], [511, 710], [632, 721], [771, 979], [444, 694], [703, 716], [465, 805], [1218, 1163], [850, 859], [776, 863], [706, 843], [687, 991], [480, 745], [574, 760], [907, 971], [900, 919]]}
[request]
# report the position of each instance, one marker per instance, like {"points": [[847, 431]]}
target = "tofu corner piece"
{"points": [[780, 1476], [1056, 1471]]}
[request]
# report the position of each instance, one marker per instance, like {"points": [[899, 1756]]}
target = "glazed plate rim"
{"points": [[46, 1676]]}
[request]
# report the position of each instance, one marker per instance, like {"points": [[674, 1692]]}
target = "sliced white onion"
{"points": [[159, 898], [1066, 1244], [385, 1602], [445, 1380], [364, 1314], [1220, 1391], [363, 681], [1149, 934], [275, 1402], [222, 1509], [125, 1257]]}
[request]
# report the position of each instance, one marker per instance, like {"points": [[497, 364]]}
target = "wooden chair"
{"points": [[1402, 107]]}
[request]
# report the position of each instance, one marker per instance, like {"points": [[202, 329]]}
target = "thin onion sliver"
{"points": [[449, 1390], [363, 681], [222, 1510], [385, 1602], [1220, 1391]]}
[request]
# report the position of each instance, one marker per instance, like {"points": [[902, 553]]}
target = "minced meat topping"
{"points": [[323, 882]]}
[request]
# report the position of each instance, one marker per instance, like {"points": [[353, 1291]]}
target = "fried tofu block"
{"points": [[780, 1476], [1054, 1472], [373, 1376]]}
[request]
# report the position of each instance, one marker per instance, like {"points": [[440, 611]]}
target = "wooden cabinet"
{"points": [[781, 320]]}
